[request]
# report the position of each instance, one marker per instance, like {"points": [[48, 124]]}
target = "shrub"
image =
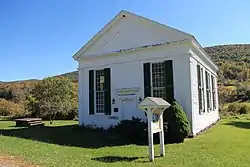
{"points": [[238, 108], [176, 124], [226, 95], [223, 111], [135, 130], [243, 92]]}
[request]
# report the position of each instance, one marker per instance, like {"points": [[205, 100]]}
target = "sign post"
{"points": [[154, 107]]}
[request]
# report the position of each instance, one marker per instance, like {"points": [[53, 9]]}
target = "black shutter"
{"points": [[169, 82], [107, 94], [199, 89], [147, 80], [91, 92]]}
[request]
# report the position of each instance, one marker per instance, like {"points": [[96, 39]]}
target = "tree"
{"points": [[31, 104], [53, 95]]}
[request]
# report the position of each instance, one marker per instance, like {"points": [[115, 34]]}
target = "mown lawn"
{"points": [[65, 144]]}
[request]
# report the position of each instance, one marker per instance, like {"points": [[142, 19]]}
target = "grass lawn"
{"points": [[65, 144]]}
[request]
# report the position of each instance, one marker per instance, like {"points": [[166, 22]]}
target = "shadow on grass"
{"points": [[111, 159], [70, 135], [239, 124]]}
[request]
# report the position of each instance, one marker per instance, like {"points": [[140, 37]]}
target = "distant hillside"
{"points": [[17, 90], [19, 81], [231, 53], [71, 75], [233, 61]]}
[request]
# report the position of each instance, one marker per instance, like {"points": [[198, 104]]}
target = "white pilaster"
{"points": [[80, 96]]}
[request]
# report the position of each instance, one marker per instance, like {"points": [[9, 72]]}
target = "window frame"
{"points": [[95, 93], [202, 89], [214, 89], [151, 76], [209, 97]]}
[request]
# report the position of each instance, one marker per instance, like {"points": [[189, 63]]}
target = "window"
{"points": [[201, 94], [158, 80], [99, 93], [213, 92], [208, 89]]}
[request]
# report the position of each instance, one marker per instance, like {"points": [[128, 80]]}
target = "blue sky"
{"points": [[38, 38]]}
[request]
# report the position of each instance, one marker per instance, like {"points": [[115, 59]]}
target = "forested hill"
{"points": [[71, 75], [233, 61], [229, 52]]}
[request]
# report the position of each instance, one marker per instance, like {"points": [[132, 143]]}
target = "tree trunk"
{"points": [[54, 116], [50, 119]]}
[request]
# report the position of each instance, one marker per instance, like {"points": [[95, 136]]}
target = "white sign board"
{"points": [[156, 127], [154, 106], [126, 91]]}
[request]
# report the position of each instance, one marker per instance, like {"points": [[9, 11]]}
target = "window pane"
{"points": [[99, 91], [158, 80]]}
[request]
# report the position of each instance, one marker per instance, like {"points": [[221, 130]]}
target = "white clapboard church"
{"points": [[133, 57]]}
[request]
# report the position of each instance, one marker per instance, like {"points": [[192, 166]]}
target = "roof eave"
{"points": [[196, 44], [86, 57]]}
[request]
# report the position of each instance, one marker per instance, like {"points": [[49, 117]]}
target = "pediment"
{"points": [[128, 31]]}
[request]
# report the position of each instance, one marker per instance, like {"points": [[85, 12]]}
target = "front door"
{"points": [[129, 108]]}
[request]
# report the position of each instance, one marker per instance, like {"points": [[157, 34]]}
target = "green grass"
{"points": [[65, 144]]}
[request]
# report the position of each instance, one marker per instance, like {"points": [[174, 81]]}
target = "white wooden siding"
{"points": [[200, 121], [131, 32]]}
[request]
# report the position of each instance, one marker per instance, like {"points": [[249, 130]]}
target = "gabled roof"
{"points": [[121, 14]]}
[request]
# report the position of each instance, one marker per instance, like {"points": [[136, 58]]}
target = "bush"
{"points": [[176, 124], [226, 95], [238, 108], [135, 130], [243, 92]]}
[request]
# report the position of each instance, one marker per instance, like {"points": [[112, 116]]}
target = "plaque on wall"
{"points": [[126, 91]]}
